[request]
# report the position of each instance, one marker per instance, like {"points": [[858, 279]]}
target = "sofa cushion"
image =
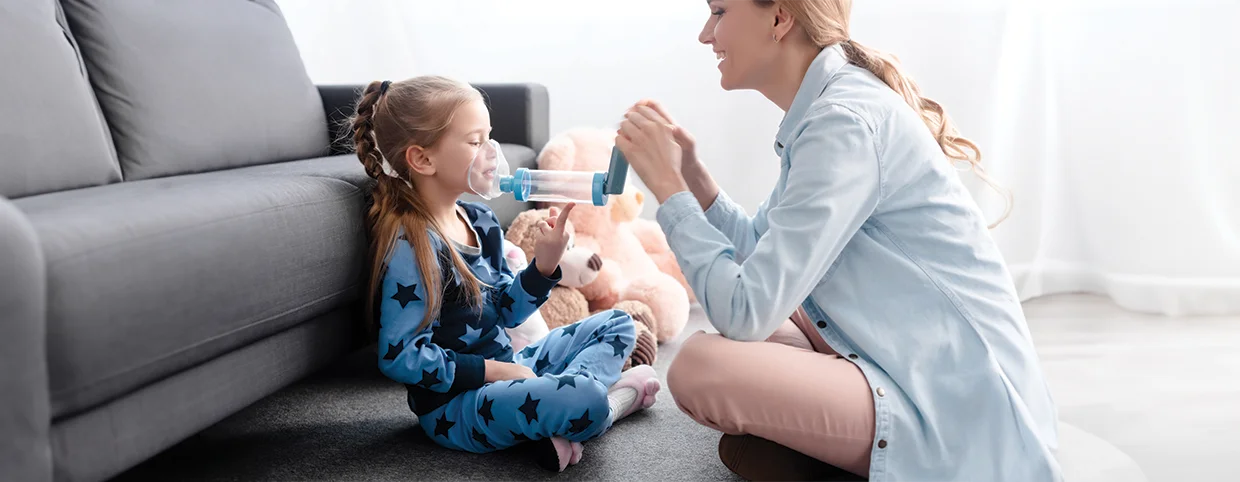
{"points": [[148, 278], [52, 134], [192, 86]]}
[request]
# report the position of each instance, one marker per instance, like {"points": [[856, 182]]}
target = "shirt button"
{"points": [[853, 356], [881, 392], [822, 324], [882, 444]]}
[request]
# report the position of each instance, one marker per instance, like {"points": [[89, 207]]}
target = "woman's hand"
{"points": [[553, 241], [688, 145], [497, 371], [648, 141]]}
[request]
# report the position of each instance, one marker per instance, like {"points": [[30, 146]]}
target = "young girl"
{"points": [[442, 294]]}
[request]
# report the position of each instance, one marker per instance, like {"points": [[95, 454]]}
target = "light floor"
{"points": [[1164, 390]]}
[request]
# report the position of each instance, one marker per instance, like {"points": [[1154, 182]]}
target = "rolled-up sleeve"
{"points": [[834, 184]]}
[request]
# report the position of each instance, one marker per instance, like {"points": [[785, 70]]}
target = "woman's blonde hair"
{"points": [[825, 22], [390, 118]]}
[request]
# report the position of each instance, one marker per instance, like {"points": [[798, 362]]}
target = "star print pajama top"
{"points": [[443, 364]]}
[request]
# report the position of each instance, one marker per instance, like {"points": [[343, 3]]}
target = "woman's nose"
{"points": [[706, 36]]}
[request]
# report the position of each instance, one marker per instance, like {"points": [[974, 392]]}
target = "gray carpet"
{"points": [[350, 423]]}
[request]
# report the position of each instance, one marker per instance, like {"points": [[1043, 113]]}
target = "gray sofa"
{"points": [[180, 236]]}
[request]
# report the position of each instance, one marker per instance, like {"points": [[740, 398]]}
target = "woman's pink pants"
{"points": [[791, 389]]}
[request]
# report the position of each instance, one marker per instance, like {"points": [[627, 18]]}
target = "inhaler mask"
{"points": [[487, 169]]}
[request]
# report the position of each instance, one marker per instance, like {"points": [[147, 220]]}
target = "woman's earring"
{"points": [[775, 38]]}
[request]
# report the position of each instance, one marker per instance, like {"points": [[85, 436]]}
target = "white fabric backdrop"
{"points": [[1113, 121]]}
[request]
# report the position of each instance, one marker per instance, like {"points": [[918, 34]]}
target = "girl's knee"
{"points": [[614, 321]]}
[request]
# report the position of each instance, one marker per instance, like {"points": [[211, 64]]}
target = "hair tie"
{"points": [[383, 87]]}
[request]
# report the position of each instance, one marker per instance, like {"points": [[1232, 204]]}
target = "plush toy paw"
{"points": [[647, 349]]}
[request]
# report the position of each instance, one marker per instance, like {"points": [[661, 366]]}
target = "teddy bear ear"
{"points": [[558, 153]]}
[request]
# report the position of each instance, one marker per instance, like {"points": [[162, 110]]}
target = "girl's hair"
{"points": [[390, 118], [826, 23]]}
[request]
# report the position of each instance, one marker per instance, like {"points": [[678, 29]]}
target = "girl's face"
{"points": [[461, 141], [739, 31]]}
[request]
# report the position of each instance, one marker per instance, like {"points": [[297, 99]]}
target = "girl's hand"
{"points": [[648, 141], [497, 371], [551, 245]]}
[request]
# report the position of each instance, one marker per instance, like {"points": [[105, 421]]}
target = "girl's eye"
{"points": [[717, 12]]}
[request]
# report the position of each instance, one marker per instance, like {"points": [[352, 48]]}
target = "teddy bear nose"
{"points": [[595, 263]]}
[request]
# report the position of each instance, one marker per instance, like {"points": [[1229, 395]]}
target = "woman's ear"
{"points": [[419, 161], [783, 22]]}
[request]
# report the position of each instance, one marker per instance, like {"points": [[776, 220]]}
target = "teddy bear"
{"points": [[615, 233], [566, 304]]}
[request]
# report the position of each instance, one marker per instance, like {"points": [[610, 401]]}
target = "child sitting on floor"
{"points": [[442, 293]]}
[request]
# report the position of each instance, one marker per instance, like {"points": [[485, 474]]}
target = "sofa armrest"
{"points": [[339, 102], [25, 414], [520, 113]]}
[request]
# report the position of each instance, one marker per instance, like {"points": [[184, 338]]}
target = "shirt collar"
{"points": [[824, 67]]}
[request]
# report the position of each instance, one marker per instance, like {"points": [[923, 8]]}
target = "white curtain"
{"points": [[1114, 122]]}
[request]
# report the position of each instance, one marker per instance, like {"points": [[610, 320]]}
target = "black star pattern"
{"points": [[542, 364], [406, 294], [430, 379], [530, 409], [519, 437], [442, 425], [580, 424], [528, 351], [482, 439], [570, 330], [485, 410], [506, 302], [394, 350], [514, 382], [617, 346], [566, 380]]}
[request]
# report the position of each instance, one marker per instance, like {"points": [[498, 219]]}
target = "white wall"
{"points": [[1113, 121], [587, 53]]}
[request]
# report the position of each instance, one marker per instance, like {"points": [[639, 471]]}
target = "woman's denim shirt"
{"points": [[870, 229]]}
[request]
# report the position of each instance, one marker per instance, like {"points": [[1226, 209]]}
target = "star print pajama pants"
{"points": [[575, 365]]}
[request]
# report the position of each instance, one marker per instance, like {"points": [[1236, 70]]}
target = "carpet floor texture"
{"points": [[351, 423]]}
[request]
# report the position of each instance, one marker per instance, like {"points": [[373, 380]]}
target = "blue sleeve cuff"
{"points": [[675, 209], [470, 372], [537, 285], [723, 211]]}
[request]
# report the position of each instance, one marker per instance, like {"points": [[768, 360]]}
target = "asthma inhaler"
{"points": [[568, 186]]}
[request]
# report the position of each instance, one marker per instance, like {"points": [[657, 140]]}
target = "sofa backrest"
{"points": [[192, 85], [52, 136]]}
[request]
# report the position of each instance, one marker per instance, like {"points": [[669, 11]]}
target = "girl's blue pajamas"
{"points": [[443, 365]]}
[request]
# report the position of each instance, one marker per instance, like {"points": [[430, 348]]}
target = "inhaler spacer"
{"points": [[489, 178]]}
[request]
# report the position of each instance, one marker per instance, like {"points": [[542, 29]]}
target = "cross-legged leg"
{"points": [[815, 403]]}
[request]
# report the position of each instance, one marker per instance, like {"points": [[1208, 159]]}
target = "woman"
{"points": [[907, 356]]}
